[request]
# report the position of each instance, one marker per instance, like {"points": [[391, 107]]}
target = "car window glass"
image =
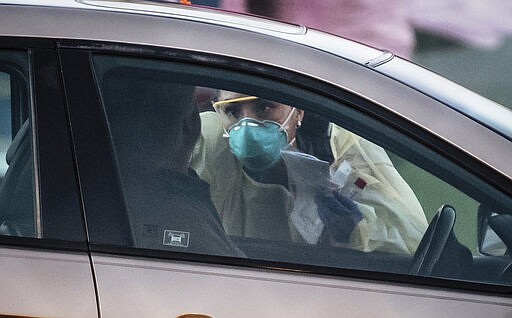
{"points": [[334, 198], [154, 124], [17, 217], [282, 180], [5, 116]]}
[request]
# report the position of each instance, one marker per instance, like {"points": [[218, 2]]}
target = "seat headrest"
{"points": [[16, 142]]}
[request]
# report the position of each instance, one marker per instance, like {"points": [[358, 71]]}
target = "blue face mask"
{"points": [[257, 144]]}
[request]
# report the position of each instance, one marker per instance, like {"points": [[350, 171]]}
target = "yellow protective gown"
{"points": [[393, 219]]}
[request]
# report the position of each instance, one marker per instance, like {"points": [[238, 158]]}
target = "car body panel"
{"points": [[160, 288], [46, 284], [471, 104]]}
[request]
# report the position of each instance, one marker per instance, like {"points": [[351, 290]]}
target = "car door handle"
{"points": [[190, 315]]}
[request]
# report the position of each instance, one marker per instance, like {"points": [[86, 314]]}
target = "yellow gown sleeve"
{"points": [[393, 217]]}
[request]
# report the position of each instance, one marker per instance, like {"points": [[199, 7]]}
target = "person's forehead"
{"points": [[227, 95], [223, 95]]}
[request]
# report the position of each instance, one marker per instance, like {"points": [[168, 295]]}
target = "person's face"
{"points": [[260, 109]]}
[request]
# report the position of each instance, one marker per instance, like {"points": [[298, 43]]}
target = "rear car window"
{"points": [[17, 217]]}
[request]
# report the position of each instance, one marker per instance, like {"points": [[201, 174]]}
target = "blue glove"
{"points": [[339, 214]]}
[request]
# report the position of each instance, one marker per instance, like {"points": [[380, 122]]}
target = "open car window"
{"points": [[200, 172]]}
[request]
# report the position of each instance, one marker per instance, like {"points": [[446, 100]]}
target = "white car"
{"points": [[97, 217]]}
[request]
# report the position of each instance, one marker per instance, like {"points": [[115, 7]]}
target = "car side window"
{"points": [[154, 124], [221, 163], [330, 197], [17, 217]]}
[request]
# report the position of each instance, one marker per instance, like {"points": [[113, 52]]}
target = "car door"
{"points": [[45, 268], [142, 245]]}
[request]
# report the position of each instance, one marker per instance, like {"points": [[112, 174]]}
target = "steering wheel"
{"points": [[433, 242]]}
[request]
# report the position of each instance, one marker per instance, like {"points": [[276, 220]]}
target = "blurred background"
{"points": [[467, 41]]}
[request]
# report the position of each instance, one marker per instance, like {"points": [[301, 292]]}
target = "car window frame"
{"points": [[57, 200], [76, 54]]}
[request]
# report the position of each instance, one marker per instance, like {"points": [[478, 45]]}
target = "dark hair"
{"points": [[146, 111], [313, 137]]}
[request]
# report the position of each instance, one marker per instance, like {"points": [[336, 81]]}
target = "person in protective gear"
{"points": [[259, 195], [257, 131]]}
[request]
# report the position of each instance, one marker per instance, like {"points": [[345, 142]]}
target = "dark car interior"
{"points": [[16, 194], [439, 254]]}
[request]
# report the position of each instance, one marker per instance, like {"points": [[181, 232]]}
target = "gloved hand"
{"points": [[339, 214]]}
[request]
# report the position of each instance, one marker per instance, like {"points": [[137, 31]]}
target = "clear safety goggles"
{"points": [[230, 113]]}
